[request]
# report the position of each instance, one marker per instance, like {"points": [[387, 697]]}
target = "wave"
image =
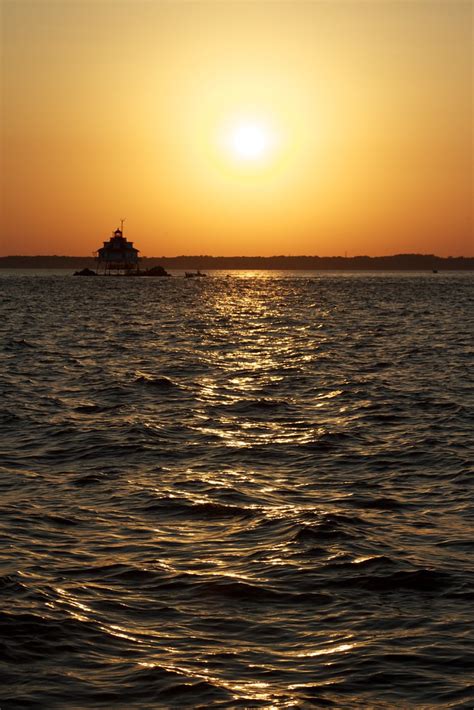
{"points": [[422, 580]]}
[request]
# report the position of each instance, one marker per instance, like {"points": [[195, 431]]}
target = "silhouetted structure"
{"points": [[118, 255]]}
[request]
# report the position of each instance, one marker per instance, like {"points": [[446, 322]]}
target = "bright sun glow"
{"points": [[250, 140]]}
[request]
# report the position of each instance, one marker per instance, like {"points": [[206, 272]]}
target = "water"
{"points": [[236, 492]]}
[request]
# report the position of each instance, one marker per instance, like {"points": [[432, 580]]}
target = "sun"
{"points": [[249, 140]]}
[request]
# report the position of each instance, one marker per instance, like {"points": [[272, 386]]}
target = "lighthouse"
{"points": [[118, 255]]}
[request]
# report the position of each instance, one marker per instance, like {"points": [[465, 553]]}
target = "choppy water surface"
{"points": [[242, 492]]}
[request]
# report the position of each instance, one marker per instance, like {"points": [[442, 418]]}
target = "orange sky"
{"points": [[131, 109]]}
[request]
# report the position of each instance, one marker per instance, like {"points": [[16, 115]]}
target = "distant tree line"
{"points": [[402, 262]]}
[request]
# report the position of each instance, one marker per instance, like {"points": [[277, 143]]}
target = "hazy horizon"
{"points": [[245, 256]]}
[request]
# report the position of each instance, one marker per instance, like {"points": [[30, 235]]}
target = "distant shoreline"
{"points": [[398, 262]]}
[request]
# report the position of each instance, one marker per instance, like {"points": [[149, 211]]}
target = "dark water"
{"points": [[246, 492]]}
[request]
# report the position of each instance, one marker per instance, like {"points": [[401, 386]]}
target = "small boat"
{"points": [[194, 274]]}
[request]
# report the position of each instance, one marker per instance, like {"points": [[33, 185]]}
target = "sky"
{"points": [[237, 128]]}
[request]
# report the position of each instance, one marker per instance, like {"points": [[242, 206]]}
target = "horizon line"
{"points": [[243, 256]]}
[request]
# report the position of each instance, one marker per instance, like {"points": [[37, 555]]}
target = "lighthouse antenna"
{"points": [[121, 224]]}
